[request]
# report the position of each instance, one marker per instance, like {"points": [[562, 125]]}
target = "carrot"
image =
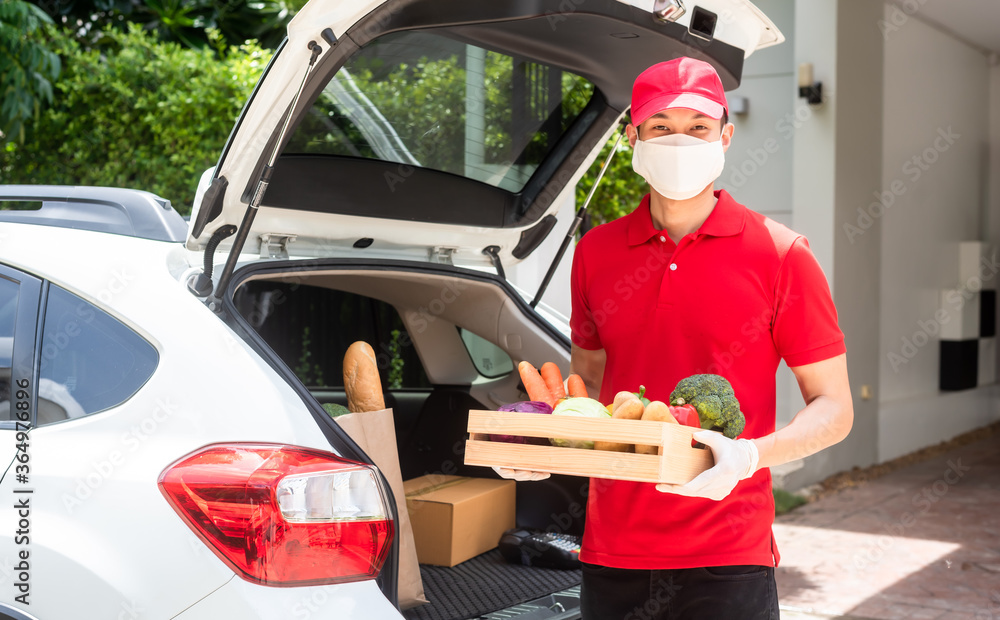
{"points": [[534, 384], [577, 386], [553, 379]]}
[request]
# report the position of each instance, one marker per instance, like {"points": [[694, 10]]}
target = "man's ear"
{"points": [[727, 136], [632, 133]]}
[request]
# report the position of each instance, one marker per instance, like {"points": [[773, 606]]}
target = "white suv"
{"points": [[162, 381]]}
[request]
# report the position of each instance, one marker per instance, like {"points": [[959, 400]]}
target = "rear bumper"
{"points": [[242, 600]]}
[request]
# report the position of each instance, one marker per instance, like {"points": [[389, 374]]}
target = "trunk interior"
{"points": [[446, 340]]}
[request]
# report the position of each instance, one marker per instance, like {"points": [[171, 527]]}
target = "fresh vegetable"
{"points": [[642, 395], [686, 415], [623, 397], [656, 411], [581, 407], [524, 406], [629, 407], [335, 410], [553, 380], [577, 388], [715, 400], [527, 406], [534, 385]]}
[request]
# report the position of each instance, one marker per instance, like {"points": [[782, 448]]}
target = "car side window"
{"points": [[490, 360], [89, 360], [8, 314]]}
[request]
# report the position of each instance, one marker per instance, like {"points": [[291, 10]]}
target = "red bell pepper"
{"points": [[686, 415]]}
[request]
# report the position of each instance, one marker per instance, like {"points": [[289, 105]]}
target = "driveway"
{"points": [[922, 542]]}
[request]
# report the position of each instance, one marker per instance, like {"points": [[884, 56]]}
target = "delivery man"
{"points": [[693, 282]]}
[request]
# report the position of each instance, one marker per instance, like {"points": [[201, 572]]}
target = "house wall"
{"points": [[888, 229], [934, 188], [837, 164], [758, 169]]}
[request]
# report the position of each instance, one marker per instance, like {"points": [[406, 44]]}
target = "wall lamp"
{"points": [[810, 90]]}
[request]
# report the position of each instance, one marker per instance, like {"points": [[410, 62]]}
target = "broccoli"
{"points": [[714, 399], [335, 410]]}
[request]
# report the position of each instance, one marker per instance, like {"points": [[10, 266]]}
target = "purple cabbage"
{"points": [[524, 406]]}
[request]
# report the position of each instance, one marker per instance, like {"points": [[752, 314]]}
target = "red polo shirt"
{"points": [[733, 298]]}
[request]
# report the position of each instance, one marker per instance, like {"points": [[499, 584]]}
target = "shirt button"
{"points": [[663, 239], [673, 266]]}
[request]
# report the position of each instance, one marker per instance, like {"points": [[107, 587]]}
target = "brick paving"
{"points": [[922, 542]]}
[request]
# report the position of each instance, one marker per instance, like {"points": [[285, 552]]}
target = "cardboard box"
{"points": [[455, 518], [676, 461]]}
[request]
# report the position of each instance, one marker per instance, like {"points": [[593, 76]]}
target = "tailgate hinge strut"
{"points": [[262, 183], [575, 226]]}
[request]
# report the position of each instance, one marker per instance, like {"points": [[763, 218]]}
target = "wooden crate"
{"points": [[676, 461]]}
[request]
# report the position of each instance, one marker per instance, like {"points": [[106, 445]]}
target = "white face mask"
{"points": [[678, 166]]}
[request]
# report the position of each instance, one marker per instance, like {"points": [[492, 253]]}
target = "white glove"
{"points": [[521, 475], [735, 460]]}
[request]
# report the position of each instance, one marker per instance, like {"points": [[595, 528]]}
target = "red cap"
{"points": [[679, 83]]}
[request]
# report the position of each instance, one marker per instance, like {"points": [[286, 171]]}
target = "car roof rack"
{"points": [[129, 212]]}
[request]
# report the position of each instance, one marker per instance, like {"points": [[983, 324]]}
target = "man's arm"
{"points": [[590, 366], [826, 419]]}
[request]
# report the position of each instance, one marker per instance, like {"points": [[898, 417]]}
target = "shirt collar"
{"points": [[725, 220]]}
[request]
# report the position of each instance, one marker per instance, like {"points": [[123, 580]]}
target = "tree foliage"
{"points": [[27, 66], [620, 190], [187, 22], [138, 112], [142, 114]]}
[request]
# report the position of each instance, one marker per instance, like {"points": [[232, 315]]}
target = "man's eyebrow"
{"points": [[697, 116]]}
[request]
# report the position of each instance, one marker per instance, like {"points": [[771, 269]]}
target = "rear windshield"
{"points": [[424, 99]]}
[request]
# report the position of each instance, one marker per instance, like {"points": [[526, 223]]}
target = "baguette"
{"points": [[361, 381]]}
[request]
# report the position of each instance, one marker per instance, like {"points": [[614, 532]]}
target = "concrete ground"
{"points": [[922, 542]]}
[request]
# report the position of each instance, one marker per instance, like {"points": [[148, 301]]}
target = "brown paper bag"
{"points": [[375, 433]]}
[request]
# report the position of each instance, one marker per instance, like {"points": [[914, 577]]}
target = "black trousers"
{"points": [[716, 593]]}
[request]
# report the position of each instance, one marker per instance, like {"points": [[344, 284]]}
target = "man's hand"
{"points": [[521, 475], [734, 461]]}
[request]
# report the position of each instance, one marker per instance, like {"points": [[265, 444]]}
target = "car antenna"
{"points": [[575, 226], [262, 182]]}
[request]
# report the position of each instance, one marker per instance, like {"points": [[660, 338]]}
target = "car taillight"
{"points": [[283, 515]]}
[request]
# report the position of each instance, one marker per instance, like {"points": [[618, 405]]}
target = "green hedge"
{"points": [[142, 114]]}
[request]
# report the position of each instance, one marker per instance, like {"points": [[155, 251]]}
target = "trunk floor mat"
{"points": [[483, 584]]}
